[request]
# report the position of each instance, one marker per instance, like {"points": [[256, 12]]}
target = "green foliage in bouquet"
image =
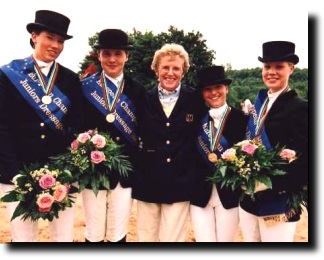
{"points": [[91, 158], [41, 191], [248, 164], [245, 164], [297, 199]]}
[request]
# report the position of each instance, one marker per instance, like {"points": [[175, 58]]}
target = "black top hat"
{"points": [[113, 39], [279, 51], [51, 21], [211, 76]]}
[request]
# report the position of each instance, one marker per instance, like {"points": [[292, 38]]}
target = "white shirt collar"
{"points": [[218, 110], [275, 95], [43, 64], [167, 92], [117, 80]]}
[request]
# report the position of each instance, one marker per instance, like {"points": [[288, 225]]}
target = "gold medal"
{"points": [[257, 140], [212, 157], [46, 100], [110, 118]]}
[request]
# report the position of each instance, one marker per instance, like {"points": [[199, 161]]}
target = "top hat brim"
{"points": [[215, 83], [119, 47], [290, 58], [38, 26]]}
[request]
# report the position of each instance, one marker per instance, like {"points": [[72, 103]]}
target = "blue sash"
{"points": [[270, 203], [22, 75], [125, 110], [203, 143], [253, 119]]}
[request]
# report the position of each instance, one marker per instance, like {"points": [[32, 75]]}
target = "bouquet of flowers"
{"points": [[91, 158], [41, 192], [248, 164]]}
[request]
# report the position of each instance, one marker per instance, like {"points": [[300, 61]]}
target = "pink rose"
{"points": [[47, 181], [99, 141], [97, 157], [44, 210], [249, 148], [74, 145], [244, 142], [288, 154], [229, 154], [45, 202], [83, 137], [60, 192]]}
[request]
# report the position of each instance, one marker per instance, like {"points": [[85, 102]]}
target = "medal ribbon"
{"points": [[22, 75], [261, 117], [125, 122], [203, 142], [215, 133], [47, 87], [111, 104], [263, 114]]}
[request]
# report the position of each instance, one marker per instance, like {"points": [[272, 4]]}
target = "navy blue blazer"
{"points": [[24, 138], [287, 125], [234, 131], [95, 119], [166, 156]]}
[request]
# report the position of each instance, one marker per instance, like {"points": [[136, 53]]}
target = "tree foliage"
{"points": [[145, 44], [246, 82]]}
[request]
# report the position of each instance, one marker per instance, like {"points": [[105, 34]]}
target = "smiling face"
{"points": [[215, 96], [113, 61], [47, 45], [170, 71], [276, 75]]}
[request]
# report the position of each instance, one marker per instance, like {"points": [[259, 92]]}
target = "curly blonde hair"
{"points": [[171, 49]]}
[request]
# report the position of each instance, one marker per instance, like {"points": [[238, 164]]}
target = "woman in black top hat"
{"points": [[28, 107], [269, 218], [214, 210], [107, 214]]}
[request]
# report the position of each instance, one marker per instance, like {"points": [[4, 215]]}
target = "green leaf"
{"points": [[105, 182], [223, 170], [18, 212], [9, 197], [265, 180]]}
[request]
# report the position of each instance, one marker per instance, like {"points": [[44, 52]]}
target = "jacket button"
{"points": [[117, 138], [168, 160], [167, 124], [167, 142], [42, 136], [41, 124]]}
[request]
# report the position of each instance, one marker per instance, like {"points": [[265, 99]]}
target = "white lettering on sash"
{"points": [[219, 147], [57, 123], [59, 103], [203, 145], [126, 127], [30, 91], [33, 76], [124, 105], [248, 134], [254, 115], [206, 128], [98, 98], [57, 100]]}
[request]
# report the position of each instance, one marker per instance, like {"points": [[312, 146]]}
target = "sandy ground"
{"points": [[300, 236]]}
